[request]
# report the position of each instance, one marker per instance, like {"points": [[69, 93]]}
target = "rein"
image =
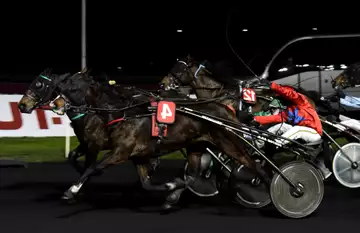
{"points": [[93, 109], [176, 100]]}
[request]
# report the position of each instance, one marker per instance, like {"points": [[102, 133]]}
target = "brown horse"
{"points": [[189, 73], [89, 128]]}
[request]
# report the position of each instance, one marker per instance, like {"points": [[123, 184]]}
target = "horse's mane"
{"points": [[222, 72], [112, 94]]}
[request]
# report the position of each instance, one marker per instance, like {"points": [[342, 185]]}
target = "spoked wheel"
{"points": [[309, 192], [205, 185], [346, 166], [249, 190]]}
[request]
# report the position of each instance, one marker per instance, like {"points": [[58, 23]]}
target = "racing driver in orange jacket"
{"points": [[299, 121]]}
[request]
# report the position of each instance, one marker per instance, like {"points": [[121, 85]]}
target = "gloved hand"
{"points": [[245, 117], [254, 123], [265, 82], [334, 99]]}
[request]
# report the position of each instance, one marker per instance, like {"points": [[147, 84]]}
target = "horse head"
{"points": [[40, 91], [348, 78], [78, 90], [187, 72]]}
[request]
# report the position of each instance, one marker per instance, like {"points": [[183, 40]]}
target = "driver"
{"points": [[299, 121]]}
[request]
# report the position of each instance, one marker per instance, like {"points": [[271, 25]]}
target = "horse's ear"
{"points": [[62, 77], [189, 60]]}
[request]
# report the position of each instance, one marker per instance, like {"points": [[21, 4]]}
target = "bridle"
{"points": [[175, 79]]}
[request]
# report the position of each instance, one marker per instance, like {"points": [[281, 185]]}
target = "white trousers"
{"points": [[294, 132], [350, 123]]}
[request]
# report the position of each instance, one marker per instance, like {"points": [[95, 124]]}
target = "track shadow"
{"points": [[135, 199]]}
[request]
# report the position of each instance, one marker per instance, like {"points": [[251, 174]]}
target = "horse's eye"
{"points": [[38, 84]]}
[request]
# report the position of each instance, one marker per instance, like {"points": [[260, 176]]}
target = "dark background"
{"points": [[143, 39]]}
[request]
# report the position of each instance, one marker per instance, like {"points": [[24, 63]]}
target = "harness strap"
{"points": [[115, 121], [229, 106], [78, 116]]}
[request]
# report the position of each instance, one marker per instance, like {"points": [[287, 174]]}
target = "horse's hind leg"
{"points": [[91, 157], [194, 153], [172, 199], [145, 180], [178, 186]]}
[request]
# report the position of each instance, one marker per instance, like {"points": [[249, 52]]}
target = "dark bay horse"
{"points": [[190, 73], [132, 137], [45, 88], [89, 128]]}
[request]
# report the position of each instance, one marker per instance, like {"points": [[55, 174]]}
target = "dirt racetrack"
{"points": [[30, 203]]}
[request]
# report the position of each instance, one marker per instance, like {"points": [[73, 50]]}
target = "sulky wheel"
{"points": [[205, 185], [346, 166], [309, 192], [249, 190]]}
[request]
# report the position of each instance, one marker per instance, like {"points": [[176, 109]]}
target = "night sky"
{"points": [[144, 41]]}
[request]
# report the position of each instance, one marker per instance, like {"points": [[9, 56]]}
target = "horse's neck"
{"points": [[206, 87], [94, 96]]}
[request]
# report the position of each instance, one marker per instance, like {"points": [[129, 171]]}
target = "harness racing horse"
{"points": [[187, 72], [88, 127], [131, 138], [44, 89]]}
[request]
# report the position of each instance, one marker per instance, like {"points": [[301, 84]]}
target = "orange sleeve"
{"points": [[265, 120], [286, 92]]}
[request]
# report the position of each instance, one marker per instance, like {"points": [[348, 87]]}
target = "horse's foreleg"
{"points": [[73, 157], [74, 189], [91, 157]]}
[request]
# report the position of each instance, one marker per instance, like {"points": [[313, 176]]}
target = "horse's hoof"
{"points": [[167, 208], [172, 198], [68, 201], [68, 196]]}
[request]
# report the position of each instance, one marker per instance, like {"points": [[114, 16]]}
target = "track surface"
{"points": [[30, 202]]}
